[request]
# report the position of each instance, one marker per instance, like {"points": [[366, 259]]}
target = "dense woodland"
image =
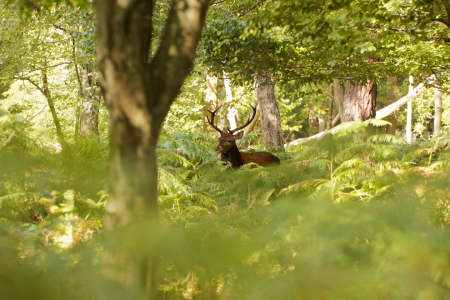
{"points": [[111, 187]]}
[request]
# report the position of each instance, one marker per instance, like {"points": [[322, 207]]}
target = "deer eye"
{"points": [[229, 141]]}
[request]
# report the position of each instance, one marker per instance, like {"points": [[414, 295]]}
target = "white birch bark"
{"points": [[231, 115], [409, 113], [437, 111]]}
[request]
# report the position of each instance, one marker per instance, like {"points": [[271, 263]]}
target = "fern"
{"points": [[13, 200]]}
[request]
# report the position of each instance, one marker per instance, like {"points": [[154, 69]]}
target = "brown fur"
{"points": [[230, 152]]}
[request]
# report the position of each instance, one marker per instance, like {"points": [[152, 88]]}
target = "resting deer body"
{"points": [[229, 151]]}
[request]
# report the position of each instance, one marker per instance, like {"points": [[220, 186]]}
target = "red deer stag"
{"points": [[229, 152]]}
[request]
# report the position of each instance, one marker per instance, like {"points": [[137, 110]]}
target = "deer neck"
{"points": [[234, 156]]}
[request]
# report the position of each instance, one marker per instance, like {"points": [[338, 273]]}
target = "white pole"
{"points": [[409, 116], [228, 93], [437, 111]]}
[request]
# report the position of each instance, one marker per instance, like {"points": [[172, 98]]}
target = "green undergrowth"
{"points": [[358, 214]]}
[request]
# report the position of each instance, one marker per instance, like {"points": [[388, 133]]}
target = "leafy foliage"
{"points": [[358, 214]]}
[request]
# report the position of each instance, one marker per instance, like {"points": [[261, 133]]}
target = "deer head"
{"points": [[227, 141]]}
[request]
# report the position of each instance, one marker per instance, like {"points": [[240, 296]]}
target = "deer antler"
{"points": [[250, 119], [212, 119]]}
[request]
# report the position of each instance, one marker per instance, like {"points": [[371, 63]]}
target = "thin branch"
{"points": [[324, 91], [32, 82], [7, 140], [39, 111]]}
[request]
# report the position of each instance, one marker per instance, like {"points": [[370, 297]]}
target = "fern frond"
{"points": [[392, 164], [171, 156], [415, 153], [348, 128], [440, 165], [354, 162], [204, 200], [376, 122], [355, 174], [15, 199], [385, 138], [168, 183], [303, 184]]}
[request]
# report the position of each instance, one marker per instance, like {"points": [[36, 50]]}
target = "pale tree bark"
{"points": [[270, 114], [322, 118], [330, 107], [339, 94], [312, 120], [392, 99], [359, 101], [437, 111], [409, 113], [231, 115], [138, 95], [212, 101], [89, 104]]}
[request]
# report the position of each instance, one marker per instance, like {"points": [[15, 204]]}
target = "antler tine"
{"points": [[250, 119], [212, 119]]}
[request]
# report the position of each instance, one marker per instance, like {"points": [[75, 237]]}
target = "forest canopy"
{"points": [[223, 149]]}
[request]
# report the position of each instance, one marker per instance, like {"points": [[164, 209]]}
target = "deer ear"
{"points": [[238, 135]]}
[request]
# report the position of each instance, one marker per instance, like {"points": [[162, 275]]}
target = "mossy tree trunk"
{"points": [[138, 93], [90, 101]]}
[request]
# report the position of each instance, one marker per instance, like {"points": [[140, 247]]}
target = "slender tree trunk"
{"points": [[90, 104], [391, 129], [409, 113], [330, 108], [437, 111], [312, 120], [321, 118], [48, 96], [138, 94], [359, 102], [231, 116], [339, 94], [270, 114], [212, 101], [80, 87]]}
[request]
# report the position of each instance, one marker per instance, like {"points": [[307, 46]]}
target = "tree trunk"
{"points": [[312, 120], [138, 95], [48, 95], [321, 117], [330, 108], [382, 113], [391, 129], [339, 94], [90, 104], [231, 116], [409, 113], [270, 114], [212, 101], [359, 102], [437, 111]]}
